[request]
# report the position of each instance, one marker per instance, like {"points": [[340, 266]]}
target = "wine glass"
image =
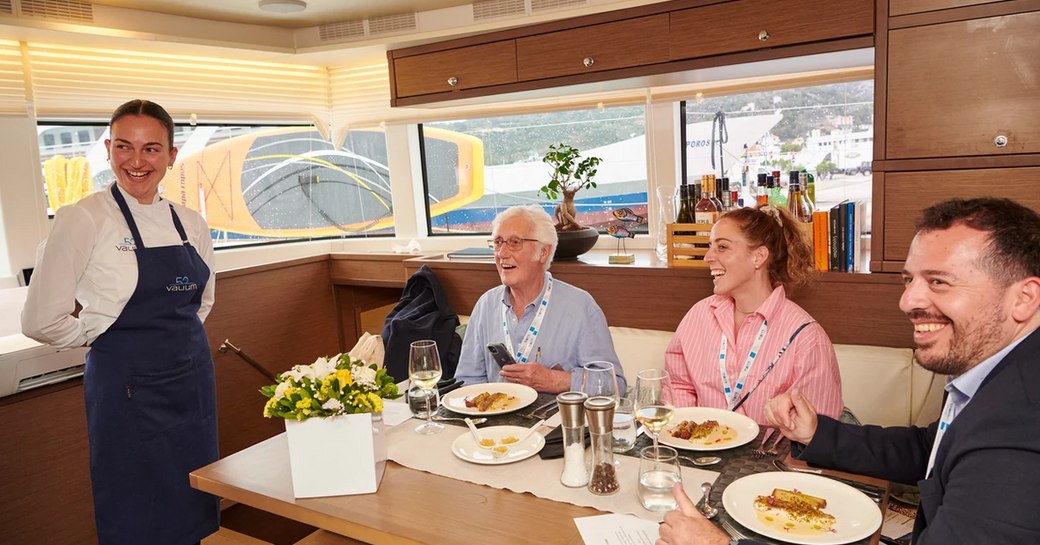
{"points": [[653, 396], [598, 379], [424, 370]]}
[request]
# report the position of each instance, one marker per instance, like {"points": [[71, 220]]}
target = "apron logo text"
{"points": [[128, 245], [182, 283]]}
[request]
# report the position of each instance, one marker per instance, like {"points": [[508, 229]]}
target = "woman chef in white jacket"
{"points": [[141, 268]]}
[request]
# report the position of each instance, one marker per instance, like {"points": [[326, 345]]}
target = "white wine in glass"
{"points": [[424, 370], [653, 396]]}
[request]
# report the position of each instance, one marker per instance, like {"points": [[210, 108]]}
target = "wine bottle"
{"points": [[776, 196], [685, 213], [707, 210], [796, 202]]}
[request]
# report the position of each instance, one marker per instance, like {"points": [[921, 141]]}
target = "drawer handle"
{"points": [[588, 62], [1000, 141], [453, 81], [763, 35]]}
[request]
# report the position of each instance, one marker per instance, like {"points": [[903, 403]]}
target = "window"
{"points": [[252, 183], [475, 168], [825, 129]]}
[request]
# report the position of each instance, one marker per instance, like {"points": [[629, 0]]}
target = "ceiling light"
{"points": [[283, 6]]}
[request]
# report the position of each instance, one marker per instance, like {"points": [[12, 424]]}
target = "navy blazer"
{"points": [[422, 313], [985, 484]]}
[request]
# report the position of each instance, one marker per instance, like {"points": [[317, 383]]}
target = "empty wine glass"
{"points": [[424, 370], [653, 396], [598, 379]]}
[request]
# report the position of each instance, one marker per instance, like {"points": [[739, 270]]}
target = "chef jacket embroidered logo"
{"points": [[128, 245], [182, 283]]}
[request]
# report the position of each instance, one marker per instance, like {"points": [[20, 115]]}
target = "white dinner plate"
{"points": [[856, 515], [466, 447], [522, 397], [746, 429]]}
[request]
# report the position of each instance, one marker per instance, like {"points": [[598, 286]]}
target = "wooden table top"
{"points": [[411, 507]]}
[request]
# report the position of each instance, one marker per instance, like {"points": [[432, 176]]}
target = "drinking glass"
{"points": [[653, 396], [666, 212], [424, 370], [598, 379], [658, 472], [624, 426]]}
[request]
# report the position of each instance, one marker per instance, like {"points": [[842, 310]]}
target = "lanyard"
{"points": [[523, 354], [733, 393], [950, 411], [771, 365]]}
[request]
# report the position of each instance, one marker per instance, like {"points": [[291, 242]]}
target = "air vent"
{"points": [[391, 24], [342, 30], [494, 9], [58, 10], [6, 8], [543, 5]]}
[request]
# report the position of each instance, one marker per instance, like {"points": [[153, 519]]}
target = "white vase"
{"points": [[666, 212], [336, 456]]}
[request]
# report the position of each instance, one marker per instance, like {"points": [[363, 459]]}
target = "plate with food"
{"points": [[489, 399], [801, 508], [501, 445], [708, 428]]}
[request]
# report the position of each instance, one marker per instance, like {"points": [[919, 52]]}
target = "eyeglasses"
{"points": [[515, 244]]}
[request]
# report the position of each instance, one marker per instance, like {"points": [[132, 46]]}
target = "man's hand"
{"points": [[537, 376], [793, 415], [686, 525]]}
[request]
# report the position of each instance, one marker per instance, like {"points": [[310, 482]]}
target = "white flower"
{"points": [[332, 404], [279, 391], [299, 371], [364, 376], [324, 367]]}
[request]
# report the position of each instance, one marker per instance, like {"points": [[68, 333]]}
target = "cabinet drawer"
{"points": [[904, 7], [744, 25], [907, 193], [607, 46], [468, 67], [954, 88]]}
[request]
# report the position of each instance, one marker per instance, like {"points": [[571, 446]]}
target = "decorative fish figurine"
{"points": [[627, 215], [618, 231]]}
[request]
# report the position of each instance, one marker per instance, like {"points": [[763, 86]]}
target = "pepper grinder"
{"points": [[599, 411], [572, 416]]}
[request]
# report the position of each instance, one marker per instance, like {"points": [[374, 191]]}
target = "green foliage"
{"points": [[567, 172], [329, 387]]}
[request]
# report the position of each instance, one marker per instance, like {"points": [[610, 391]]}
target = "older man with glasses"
{"points": [[548, 327]]}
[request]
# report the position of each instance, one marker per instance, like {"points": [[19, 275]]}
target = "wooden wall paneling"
{"points": [[44, 467], [280, 316], [352, 301], [609, 46], [853, 308], [382, 270], [877, 222], [907, 193], [938, 110], [736, 26], [904, 7]]}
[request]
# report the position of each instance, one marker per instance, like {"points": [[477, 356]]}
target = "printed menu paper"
{"points": [[617, 530]]}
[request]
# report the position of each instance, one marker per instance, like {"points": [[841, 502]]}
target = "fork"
{"points": [[760, 452], [732, 530], [771, 451], [541, 412]]}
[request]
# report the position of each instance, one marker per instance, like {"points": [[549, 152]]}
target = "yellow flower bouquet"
{"points": [[329, 387]]}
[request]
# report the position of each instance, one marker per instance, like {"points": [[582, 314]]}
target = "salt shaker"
{"points": [[572, 416], [599, 411]]}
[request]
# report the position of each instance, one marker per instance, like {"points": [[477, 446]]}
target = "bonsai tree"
{"points": [[569, 175]]}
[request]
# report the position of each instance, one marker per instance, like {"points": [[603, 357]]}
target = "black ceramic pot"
{"points": [[574, 243]]}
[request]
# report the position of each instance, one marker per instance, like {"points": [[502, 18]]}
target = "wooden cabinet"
{"points": [[619, 44], [744, 25], [907, 193], [964, 88], [904, 7], [455, 69]]}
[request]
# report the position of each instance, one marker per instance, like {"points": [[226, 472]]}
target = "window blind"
{"points": [[12, 79]]}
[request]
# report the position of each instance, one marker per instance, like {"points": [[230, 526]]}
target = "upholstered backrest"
{"points": [[880, 385]]}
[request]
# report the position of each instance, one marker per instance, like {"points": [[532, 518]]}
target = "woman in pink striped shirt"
{"points": [[722, 351]]}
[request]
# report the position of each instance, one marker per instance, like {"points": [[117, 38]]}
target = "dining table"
{"points": [[428, 495]]}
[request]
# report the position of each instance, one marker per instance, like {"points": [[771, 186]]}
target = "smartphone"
{"points": [[501, 354]]}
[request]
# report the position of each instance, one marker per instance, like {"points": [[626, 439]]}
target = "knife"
{"points": [[539, 409], [449, 387]]}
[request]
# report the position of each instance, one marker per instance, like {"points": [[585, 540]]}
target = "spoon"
{"points": [[706, 460], [473, 430], [704, 507], [531, 430]]}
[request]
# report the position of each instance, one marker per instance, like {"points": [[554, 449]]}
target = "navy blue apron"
{"points": [[151, 403]]}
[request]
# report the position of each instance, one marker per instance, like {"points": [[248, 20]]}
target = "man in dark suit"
{"points": [[973, 296]]}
